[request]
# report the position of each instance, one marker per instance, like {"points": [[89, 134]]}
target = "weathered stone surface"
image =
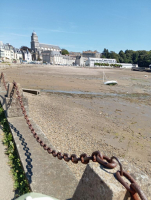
{"points": [[1, 82], [45, 174], [99, 183], [32, 91], [11, 92], [143, 180], [13, 108]]}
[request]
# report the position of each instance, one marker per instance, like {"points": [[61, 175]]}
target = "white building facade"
{"points": [[27, 56], [81, 61], [6, 51], [9, 53], [127, 65], [56, 58], [18, 54], [91, 61]]}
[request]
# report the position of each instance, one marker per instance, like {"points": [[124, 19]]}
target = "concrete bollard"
{"points": [[13, 108], [1, 82], [99, 183]]}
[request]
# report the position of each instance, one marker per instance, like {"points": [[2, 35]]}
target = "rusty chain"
{"points": [[133, 188]]}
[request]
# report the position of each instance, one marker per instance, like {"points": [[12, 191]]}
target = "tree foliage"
{"points": [[107, 64], [64, 52], [142, 58]]}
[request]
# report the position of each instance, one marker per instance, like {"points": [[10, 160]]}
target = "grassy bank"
{"points": [[20, 182]]}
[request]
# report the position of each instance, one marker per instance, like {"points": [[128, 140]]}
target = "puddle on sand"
{"points": [[132, 95], [80, 92]]}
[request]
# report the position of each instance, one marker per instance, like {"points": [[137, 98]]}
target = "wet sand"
{"points": [[80, 114]]}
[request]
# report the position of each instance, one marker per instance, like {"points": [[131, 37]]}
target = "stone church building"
{"points": [[48, 53], [39, 50]]}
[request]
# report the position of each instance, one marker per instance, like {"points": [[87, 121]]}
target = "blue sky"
{"points": [[78, 25]]}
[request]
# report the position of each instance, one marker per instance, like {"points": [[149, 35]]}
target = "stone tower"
{"points": [[34, 42]]}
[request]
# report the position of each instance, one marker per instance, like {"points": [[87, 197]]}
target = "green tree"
{"points": [[135, 57], [129, 56], [114, 55], [105, 53], [142, 58], [64, 52], [122, 57]]}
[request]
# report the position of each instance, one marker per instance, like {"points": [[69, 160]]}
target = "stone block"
{"points": [[13, 108], [99, 183], [32, 91], [1, 80], [11, 92]]}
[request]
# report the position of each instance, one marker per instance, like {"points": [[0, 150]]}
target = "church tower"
{"points": [[34, 42]]}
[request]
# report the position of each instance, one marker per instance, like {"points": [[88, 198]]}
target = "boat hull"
{"points": [[110, 83]]}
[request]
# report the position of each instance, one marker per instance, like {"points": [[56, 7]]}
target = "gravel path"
{"points": [[6, 181]]}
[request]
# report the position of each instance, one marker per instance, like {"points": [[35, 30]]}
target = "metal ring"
{"points": [[84, 158], [66, 157], [136, 188], [59, 155], [54, 153], [109, 164], [121, 168], [45, 147], [128, 176], [94, 155], [74, 158], [49, 150]]}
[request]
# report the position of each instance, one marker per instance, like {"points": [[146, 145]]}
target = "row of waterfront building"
{"points": [[51, 54]]}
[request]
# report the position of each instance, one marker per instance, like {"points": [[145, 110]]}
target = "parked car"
{"points": [[24, 61]]}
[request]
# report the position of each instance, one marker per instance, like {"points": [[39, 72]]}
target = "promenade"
{"points": [[6, 181]]}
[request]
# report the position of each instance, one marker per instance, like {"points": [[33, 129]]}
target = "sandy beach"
{"points": [[79, 114]]}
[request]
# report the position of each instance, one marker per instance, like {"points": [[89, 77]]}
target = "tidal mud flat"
{"points": [[79, 114]]}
